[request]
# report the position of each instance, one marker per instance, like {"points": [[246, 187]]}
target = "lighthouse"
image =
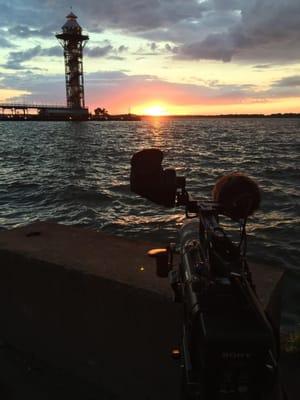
{"points": [[73, 41]]}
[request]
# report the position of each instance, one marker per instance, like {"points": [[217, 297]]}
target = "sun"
{"points": [[155, 110]]}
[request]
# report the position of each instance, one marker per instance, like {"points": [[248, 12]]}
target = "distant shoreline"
{"points": [[277, 115], [134, 117]]}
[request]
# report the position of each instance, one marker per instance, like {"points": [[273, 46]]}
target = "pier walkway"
{"points": [[14, 109]]}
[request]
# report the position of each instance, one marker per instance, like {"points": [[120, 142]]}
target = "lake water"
{"points": [[78, 173]]}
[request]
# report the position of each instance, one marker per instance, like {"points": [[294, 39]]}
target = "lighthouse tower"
{"points": [[73, 42]]}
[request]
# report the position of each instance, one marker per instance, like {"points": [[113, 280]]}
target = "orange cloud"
{"points": [[134, 92]]}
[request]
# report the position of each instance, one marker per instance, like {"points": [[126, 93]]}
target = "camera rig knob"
{"points": [[161, 256]]}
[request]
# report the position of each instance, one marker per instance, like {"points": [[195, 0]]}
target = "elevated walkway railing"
{"points": [[23, 106]]}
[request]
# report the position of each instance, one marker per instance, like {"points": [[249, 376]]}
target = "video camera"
{"points": [[229, 347], [238, 196]]}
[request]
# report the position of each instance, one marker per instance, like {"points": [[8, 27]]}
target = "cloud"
{"points": [[123, 48], [262, 66], [290, 81], [153, 46], [17, 58], [54, 51], [51, 92], [287, 87], [225, 5], [107, 76], [32, 13], [214, 47], [98, 51], [266, 30], [107, 50], [116, 88], [154, 49], [139, 15], [261, 32], [24, 31], [4, 43], [244, 30], [128, 15], [116, 58]]}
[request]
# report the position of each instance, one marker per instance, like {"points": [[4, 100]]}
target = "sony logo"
{"points": [[236, 356]]}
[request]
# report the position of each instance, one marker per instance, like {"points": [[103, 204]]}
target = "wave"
{"points": [[79, 174]]}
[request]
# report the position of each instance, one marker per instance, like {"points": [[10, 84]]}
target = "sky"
{"points": [[158, 56]]}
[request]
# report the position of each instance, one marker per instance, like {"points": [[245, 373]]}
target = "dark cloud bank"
{"points": [[251, 30]]}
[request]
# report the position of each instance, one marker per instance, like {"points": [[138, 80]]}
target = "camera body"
{"points": [[229, 348]]}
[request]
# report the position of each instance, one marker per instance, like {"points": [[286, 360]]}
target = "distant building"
{"points": [[73, 42], [63, 113]]}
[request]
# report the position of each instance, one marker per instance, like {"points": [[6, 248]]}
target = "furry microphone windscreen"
{"points": [[238, 194]]}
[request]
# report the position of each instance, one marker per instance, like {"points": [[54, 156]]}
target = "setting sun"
{"points": [[155, 110]]}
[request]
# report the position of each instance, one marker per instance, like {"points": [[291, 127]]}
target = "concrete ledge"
{"points": [[108, 331], [80, 300], [88, 251]]}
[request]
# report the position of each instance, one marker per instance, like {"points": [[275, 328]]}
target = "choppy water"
{"points": [[77, 173]]}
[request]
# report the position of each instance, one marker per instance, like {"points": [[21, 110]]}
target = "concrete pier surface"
{"points": [[83, 315]]}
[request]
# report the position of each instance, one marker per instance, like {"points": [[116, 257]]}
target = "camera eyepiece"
{"points": [[150, 180]]}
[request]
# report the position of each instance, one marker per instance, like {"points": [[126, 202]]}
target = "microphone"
{"points": [[237, 194]]}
